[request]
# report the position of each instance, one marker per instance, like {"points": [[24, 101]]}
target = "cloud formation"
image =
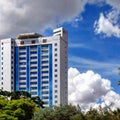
{"points": [[106, 25], [87, 89], [26, 16]]}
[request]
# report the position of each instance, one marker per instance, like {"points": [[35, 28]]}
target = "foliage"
{"points": [[69, 112], [20, 109], [63, 112], [22, 106], [21, 94]]}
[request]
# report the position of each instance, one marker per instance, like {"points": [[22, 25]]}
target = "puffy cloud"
{"points": [[107, 26], [109, 23], [112, 100], [90, 90], [26, 16]]}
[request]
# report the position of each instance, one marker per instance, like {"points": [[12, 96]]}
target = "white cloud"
{"points": [[26, 16], [109, 24], [87, 88], [104, 25]]}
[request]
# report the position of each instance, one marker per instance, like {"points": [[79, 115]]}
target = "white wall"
{"points": [[5, 64]]}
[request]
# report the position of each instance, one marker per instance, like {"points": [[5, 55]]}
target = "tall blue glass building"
{"points": [[38, 65]]}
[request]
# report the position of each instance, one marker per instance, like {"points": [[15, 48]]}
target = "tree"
{"points": [[62, 112], [37, 101], [20, 109], [22, 94]]}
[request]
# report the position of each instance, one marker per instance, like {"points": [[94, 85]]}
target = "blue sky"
{"points": [[90, 51], [93, 42]]}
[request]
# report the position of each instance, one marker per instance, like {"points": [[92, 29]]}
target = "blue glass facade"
{"points": [[39, 73], [34, 74], [28, 68], [50, 75], [16, 86]]}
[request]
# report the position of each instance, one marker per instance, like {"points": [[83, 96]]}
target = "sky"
{"points": [[93, 42]]}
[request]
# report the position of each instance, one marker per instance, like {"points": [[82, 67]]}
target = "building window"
{"points": [[55, 81], [55, 54], [33, 88], [56, 96], [32, 58], [56, 91], [33, 52], [33, 93], [23, 83], [22, 88], [45, 87], [55, 44], [55, 70], [22, 42], [55, 49], [55, 86], [44, 77], [45, 82], [44, 40], [55, 65], [55, 101], [34, 78], [33, 72], [45, 97], [44, 57], [33, 41], [44, 62], [12, 42], [45, 92], [22, 73], [44, 67], [55, 75], [1, 83], [55, 60], [45, 72], [33, 63], [22, 58], [46, 102], [22, 48], [12, 87], [32, 83], [32, 68]]}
